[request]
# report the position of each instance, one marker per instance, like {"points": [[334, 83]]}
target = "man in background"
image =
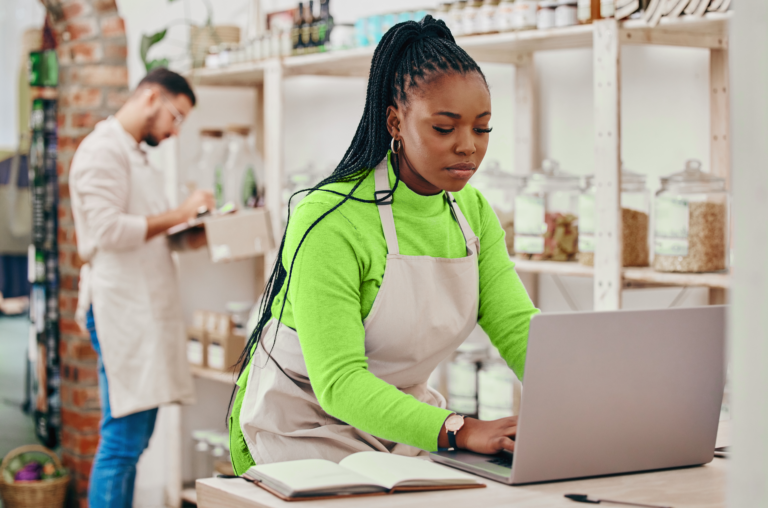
{"points": [[129, 288]]}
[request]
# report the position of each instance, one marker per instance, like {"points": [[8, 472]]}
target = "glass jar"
{"points": [[546, 212], [691, 212], [566, 13], [202, 460], [588, 11], [505, 12], [607, 8], [442, 13], [210, 159], [485, 20], [501, 188], [462, 378], [499, 390], [242, 176], [545, 17], [525, 14], [635, 220], [456, 15]]}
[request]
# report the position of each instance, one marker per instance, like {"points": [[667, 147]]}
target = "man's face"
{"points": [[165, 113]]}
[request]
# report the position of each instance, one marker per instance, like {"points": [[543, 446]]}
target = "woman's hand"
{"points": [[488, 437]]}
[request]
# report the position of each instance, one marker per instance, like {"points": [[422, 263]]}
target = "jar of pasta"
{"points": [[635, 220], [546, 214], [691, 214]]}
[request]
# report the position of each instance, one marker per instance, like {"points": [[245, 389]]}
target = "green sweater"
{"points": [[337, 275]]}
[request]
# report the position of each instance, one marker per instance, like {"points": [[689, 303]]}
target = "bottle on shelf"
{"points": [[296, 38], [210, 161], [241, 179], [325, 26], [306, 27]]}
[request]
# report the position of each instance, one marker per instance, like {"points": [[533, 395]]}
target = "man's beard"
{"points": [[151, 140]]}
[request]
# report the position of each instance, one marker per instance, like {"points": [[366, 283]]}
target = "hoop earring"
{"points": [[399, 146]]}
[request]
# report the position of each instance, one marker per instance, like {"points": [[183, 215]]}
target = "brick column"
{"points": [[93, 84]]}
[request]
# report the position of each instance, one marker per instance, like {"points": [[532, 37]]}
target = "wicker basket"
{"points": [[39, 494]]}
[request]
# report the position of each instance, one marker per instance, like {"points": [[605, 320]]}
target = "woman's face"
{"points": [[444, 129]]}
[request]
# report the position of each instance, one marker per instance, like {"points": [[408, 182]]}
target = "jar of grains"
{"points": [[546, 212], [635, 223], [500, 189], [691, 222], [462, 378]]}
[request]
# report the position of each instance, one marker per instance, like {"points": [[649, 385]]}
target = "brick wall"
{"points": [[93, 84]]}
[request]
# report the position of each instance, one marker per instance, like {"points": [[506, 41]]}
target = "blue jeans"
{"points": [[123, 440]]}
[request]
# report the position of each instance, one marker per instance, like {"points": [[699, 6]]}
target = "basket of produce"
{"points": [[32, 476]]}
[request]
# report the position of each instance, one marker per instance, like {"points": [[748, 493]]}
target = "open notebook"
{"points": [[364, 473]]}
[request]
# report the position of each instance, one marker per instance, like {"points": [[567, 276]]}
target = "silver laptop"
{"points": [[613, 392]]}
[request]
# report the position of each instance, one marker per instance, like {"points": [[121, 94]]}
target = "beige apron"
{"points": [[424, 310]]}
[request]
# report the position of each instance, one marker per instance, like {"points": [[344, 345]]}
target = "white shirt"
{"points": [[132, 282]]}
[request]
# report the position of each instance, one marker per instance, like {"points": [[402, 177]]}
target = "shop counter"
{"points": [[699, 487]]}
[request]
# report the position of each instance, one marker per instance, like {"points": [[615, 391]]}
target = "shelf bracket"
{"points": [[608, 241]]}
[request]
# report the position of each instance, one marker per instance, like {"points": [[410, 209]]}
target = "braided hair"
{"points": [[409, 54]]}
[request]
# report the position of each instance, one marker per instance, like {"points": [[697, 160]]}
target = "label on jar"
{"points": [[462, 380], [194, 352], [585, 10], [671, 232], [607, 8], [529, 224], [587, 223], [215, 356]]}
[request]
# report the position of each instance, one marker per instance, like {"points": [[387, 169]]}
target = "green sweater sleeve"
{"points": [[505, 310], [327, 315]]}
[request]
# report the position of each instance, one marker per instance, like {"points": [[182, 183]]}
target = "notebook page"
{"points": [[303, 476], [390, 470]]}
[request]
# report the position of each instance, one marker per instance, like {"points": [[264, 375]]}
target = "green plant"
{"points": [[147, 41]]}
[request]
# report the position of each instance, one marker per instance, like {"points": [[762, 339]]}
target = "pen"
{"points": [[584, 498]]}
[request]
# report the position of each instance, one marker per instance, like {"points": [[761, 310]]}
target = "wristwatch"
{"points": [[453, 425]]}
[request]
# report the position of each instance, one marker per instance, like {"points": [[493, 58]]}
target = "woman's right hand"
{"points": [[488, 437]]}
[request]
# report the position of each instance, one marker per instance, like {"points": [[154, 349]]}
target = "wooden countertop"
{"points": [[699, 487]]}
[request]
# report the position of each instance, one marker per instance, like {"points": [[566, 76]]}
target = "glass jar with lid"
{"points": [[499, 390], [635, 220], [500, 189], [485, 22], [691, 214], [525, 14], [462, 378], [504, 18], [241, 179], [469, 17], [210, 159], [546, 213], [456, 17]]}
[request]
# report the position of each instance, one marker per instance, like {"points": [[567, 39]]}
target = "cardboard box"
{"points": [[224, 350], [197, 346], [246, 233]]}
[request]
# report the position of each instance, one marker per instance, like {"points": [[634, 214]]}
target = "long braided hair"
{"points": [[409, 54]]}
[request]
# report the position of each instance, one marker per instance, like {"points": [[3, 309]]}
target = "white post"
{"points": [[526, 138], [273, 148], [748, 484], [608, 240]]}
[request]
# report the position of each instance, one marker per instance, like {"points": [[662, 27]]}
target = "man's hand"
{"points": [[191, 206], [488, 437]]}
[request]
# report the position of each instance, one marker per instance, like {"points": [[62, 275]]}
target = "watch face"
{"points": [[454, 423]]}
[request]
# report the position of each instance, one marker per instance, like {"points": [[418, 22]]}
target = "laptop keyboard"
{"points": [[502, 460]]}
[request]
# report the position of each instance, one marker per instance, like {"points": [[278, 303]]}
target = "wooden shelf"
{"points": [[214, 375], [642, 275], [508, 47]]}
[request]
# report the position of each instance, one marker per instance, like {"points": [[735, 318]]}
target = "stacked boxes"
{"points": [[213, 341]]}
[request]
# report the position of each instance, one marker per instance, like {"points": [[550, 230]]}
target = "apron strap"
{"points": [[381, 176], [466, 229]]}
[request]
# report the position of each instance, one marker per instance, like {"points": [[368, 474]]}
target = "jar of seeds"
{"points": [[691, 222], [635, 220]]}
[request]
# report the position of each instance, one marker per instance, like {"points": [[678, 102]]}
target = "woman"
{"points": [[387, 266]]}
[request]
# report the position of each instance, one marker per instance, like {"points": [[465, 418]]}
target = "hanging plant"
{"points": [[147, 41]]}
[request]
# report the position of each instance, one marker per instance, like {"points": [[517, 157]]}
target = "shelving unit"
{"points": [[518, 48], [228, 378]]}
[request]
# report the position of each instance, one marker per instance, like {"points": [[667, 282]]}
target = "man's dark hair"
{"points": [[171, 82]]}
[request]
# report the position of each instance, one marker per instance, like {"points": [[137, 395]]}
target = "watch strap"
{"points": [[452, 439]]}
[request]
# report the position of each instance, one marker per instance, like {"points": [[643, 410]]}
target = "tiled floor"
{"points": [[16, 428]]}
